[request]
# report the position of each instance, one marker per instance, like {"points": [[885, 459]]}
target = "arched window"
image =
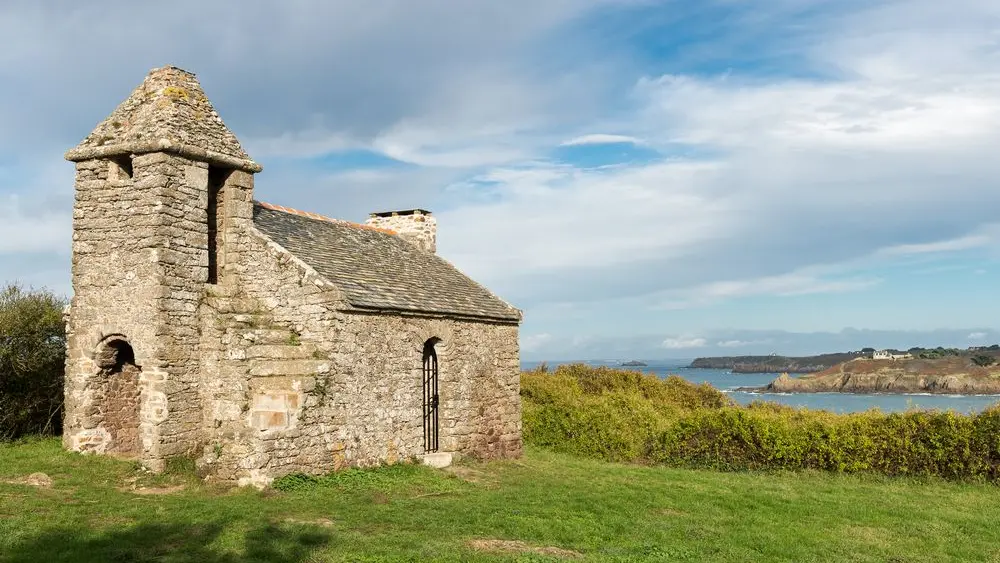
{"points": [[431, 400], [116, 355]]}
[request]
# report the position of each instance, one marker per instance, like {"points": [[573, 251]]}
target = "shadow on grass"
{"points": [[167, 543]]}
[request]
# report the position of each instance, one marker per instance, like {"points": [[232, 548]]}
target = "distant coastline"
{"points": [[774, 363], [951, 376], [973, 371]]}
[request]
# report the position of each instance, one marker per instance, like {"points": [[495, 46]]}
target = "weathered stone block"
{"points": [[288, 367]]}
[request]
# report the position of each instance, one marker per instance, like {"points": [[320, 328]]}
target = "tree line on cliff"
{"points": [[775, 363], [981, 356]]}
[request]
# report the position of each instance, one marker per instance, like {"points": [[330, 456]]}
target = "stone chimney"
{"points": [[416, 226]]}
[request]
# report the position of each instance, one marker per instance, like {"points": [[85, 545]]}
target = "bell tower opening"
{"points": [[120, 168], [216, 219]]}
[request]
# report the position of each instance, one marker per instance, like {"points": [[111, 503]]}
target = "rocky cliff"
{"points": [[956, 375]]}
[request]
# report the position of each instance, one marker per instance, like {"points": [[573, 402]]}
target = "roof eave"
{"points": [[82, 153], [512, 320]]}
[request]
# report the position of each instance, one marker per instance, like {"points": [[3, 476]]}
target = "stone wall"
{"points": [[139, 267], [299, 384]]}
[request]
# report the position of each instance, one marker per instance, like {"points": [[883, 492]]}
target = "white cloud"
{"points": [[977, 335], [550, 218], [299, 144], [20, 233], [783, 285], [952, 245], [532, 342], [740, 343], [601, 139], [32, 218], [682, 343], [786, 285]]}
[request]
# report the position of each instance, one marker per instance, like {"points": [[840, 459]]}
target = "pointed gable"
{"points": [[168, 112]]}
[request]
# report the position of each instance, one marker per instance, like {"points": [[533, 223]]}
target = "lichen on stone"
{"points": [[175, 92]]}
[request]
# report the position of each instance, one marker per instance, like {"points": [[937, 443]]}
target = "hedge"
{"points": [[623, 415]]}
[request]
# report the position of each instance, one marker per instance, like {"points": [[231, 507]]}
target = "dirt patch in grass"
{"points": [[153, 490], [150, 484], [514, 546], [40, 480], [322, 522], [470, 475]]}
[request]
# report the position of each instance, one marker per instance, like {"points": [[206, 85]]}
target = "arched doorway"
{"points": [[431, 401], [117, 399]]}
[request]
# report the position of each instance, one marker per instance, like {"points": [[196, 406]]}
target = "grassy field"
{"points": [[544, 507]]}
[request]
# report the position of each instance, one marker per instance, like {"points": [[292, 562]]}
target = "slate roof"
{"points": [[376, 269], [168, 111]]}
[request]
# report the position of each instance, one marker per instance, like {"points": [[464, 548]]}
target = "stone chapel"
{"points": [[258, 339]]}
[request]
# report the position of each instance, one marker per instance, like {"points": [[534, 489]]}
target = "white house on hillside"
{"points": [[887, 355]]}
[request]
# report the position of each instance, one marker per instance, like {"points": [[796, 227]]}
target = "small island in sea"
{"points": [[634, 363], [974, 371]]}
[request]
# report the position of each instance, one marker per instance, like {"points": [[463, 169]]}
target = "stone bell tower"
{"points": [[161, 185]]}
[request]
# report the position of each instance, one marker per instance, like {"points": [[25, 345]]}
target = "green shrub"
{"points": [[913, 443], [983, 360], [606, 413], [673, 392], [626, 416], [939, 352], [32, 359]]}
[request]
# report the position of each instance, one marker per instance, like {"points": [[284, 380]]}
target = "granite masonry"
{"points": [[258, 339]]}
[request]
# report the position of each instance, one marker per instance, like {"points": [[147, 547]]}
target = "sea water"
{"points": [[728, 382]]}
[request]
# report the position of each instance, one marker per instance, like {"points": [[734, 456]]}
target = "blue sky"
{"points": [[644, 178]]}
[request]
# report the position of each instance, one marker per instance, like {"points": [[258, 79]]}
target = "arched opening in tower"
{"points": [[117, 399]]}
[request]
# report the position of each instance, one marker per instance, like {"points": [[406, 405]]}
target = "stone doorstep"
{"points": [[438, 460]]}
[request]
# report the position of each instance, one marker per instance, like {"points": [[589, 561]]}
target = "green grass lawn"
{"points": [[595, 511]]}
